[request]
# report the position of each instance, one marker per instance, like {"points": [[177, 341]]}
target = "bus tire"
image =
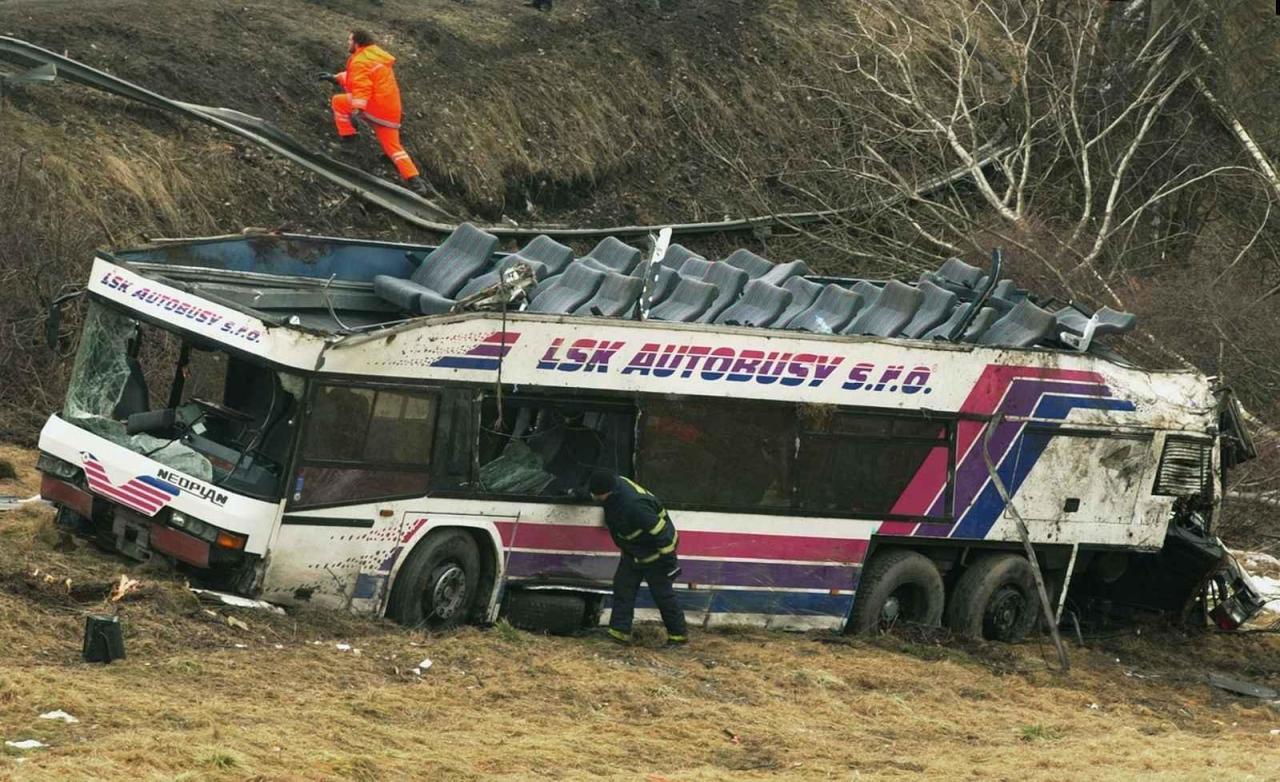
{"points": [[436, 587], [995, 598], [555, 613], [897, 585]]}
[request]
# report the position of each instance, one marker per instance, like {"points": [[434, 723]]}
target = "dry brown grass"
{"points": [[189, 704]]}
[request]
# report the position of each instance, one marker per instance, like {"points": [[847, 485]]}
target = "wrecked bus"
{"points": [[261, 412]]}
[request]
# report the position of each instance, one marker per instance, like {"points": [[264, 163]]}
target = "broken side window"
{"points": [[365, 443], [545, 448], [717, 453]]}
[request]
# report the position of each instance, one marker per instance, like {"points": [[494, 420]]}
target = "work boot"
{"points": [[674, 641], [422, 187]]}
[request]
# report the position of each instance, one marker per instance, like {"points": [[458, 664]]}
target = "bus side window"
{"points": [[545, 447], [362, 444], [859, 465], [455, 440], [717, 453]]}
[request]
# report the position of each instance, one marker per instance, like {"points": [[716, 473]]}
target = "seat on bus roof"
{"points": [[442, 272], [676, 255], [566, 292], [943, 330], [937, 305], [830, 312], [782, 272], [729, 282], [616, 255], [761, 305], [548, 251], [754, 265], [956, 271], [686, 303], [803, 292], [695, 267], [985, 317], [889, 314], [1023, 326], [1109, 321], [616, 297], [659, 283]]}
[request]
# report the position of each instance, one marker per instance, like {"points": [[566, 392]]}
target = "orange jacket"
{"points": [[372, 85]]}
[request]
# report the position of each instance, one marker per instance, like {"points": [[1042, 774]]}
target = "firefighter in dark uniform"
{"points": [[642, 530]]}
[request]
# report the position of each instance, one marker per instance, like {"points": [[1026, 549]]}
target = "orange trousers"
{"points": [[388, 136]]}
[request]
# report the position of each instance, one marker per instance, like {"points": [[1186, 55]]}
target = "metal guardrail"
{"points": [[401, 201]]}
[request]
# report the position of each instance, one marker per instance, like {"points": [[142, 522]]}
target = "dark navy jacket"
{"points": [[638, 523]]}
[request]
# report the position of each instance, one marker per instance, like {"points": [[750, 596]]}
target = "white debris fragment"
{"points": [[236, 623], [26, 744], [422, 666], [344, 647], [278, 646], [1093, 706], [242, 646], [225, 598], [1275, 731], [356, 652], [58, 715]]}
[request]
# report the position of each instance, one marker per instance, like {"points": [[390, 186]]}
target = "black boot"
{"points": [[422, 187]]}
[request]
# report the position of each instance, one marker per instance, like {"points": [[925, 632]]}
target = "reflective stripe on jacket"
{"points": [[371, 83], [638, 523]]}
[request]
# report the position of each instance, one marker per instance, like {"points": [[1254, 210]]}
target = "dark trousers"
{"points": [[659, 574]]}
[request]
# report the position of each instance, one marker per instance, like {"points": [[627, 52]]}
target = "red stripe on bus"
{"points": [[694, 543]]}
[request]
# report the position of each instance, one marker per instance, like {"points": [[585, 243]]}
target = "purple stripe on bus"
{"points": [[489, 349], [525, 564]]}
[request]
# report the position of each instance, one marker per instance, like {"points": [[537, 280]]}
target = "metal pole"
{"points": [[1026, 541]]}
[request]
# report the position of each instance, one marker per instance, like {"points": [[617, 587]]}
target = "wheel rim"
{"points": [[904, 604], [447, 591], [1004, 612]]}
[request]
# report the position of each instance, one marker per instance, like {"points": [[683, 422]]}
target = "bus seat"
{"points": [[547, 251], [443, 271], [830, 312], [695, 267], [891, 311], [660, 284], [785, 271], [616, 297], [616, 255], [1109, 321], [958, 272], [985, 317], [686, 303], [540, 272], [729, 282], [755, 266], [566, 292], [943, 330], [676, 255], [803, 293], [761, 305], [935, 308], [1024, 325]]}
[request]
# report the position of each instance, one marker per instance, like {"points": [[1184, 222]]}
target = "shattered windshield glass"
{"points": [[183, 402]]}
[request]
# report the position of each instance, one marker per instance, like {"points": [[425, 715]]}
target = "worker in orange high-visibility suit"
{"points": [[370, 91]]}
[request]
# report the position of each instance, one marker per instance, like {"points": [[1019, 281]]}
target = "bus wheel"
{"points": [[995, 599], [897, 586], [437, 585]]}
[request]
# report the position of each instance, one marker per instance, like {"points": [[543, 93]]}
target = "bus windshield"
{"points": [[184, 402]]}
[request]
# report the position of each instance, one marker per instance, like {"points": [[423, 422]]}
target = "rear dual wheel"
{"points": [[996, 599], [897, 586]]}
